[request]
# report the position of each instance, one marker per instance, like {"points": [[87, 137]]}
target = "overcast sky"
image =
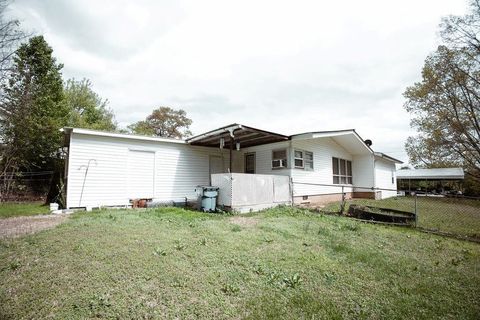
{"points": [[283, 66]]}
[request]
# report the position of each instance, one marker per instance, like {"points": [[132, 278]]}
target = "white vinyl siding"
{"points": [[178, 169], [263, 158], [384, 171], [141, 174], [323, 150], [363, 173]]}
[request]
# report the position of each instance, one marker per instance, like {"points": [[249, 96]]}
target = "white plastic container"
{"points": [[53, 206]]}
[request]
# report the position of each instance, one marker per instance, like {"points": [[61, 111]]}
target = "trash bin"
{"points": [[207, 198]]}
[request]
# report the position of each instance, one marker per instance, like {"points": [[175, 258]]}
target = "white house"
{"points": [[111, 169]]}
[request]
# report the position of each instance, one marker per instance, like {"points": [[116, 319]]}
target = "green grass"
{"points": [[292, 264], [452, 215], [15, 209]]}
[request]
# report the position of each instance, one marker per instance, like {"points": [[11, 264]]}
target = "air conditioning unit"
{"points": [[280, 163]]}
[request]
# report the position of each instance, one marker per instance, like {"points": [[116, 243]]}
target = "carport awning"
{"points": [[431, 174], [246, 136]]}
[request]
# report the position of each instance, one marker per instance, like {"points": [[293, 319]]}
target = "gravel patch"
{"points": [[18, 226], [244, 221]]}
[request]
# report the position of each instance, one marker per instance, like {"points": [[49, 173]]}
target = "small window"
{"points": [[303, 159], [298, 159], [279, 159], [308, 162], [342, 171]]}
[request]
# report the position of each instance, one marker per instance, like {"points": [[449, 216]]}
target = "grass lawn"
{"points": [[14, 209], [283, 263], [453, 215]]}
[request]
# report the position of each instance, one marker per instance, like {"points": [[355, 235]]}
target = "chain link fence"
{"points": [[452, 215]]}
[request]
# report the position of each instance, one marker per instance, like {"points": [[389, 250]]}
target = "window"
{"points": [[298, 159], [279, 159], [303, 159], [308, 160], [250, 163], [342, 171]]}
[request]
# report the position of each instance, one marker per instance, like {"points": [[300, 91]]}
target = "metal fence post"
{"points": [[416, 211], [342, 207]]}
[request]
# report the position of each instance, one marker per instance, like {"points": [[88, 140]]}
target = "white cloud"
{"points": [[285, 66]]}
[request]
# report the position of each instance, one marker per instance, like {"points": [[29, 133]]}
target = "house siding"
{"points": [[383, 178], [263, 159], [363, 172], [178, 169], [323, 150]]}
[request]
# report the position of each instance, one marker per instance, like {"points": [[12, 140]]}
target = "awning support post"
{"points": [[231, 151]]}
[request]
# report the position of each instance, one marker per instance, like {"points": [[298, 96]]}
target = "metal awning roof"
{"points": [[247, 136], [432, 174]]}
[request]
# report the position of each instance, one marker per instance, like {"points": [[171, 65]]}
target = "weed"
{"points": [[13, 265], [292, 281], [98, 303], [236, 228], [230, 289], [267, 239], [179, 246], [258, 269], [329, 277], [273, 277], [203, 241], [159, 252]]}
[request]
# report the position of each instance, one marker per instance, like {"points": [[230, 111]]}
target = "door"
{"points": [[141, 174], [250, 162]]}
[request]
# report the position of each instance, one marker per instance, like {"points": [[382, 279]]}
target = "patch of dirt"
{"points": [[244, 221], [18, 226]]}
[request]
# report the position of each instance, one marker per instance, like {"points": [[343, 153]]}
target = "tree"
{"points": [[164, 122], [10, 36], [33, 110], [87, 109], [445, 105]]}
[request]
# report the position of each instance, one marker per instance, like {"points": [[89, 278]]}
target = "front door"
{"points": [[250, 162]]}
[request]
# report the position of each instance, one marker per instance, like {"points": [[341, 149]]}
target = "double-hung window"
{"points": [[279, 158], [342, 171], [303, 159]]}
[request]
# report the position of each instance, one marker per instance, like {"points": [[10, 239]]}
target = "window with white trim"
{"points": [[342, 171], [303, 159], [279, 159], [298, 159]]}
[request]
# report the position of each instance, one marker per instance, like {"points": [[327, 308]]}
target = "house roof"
{"points": [[69, 130], [246, 136], [432, 174], [348, 138], [387, 157]]}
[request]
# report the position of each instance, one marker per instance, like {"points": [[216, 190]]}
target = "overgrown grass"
{"points": [[14, 209], [452, 215], [291, 264]]}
